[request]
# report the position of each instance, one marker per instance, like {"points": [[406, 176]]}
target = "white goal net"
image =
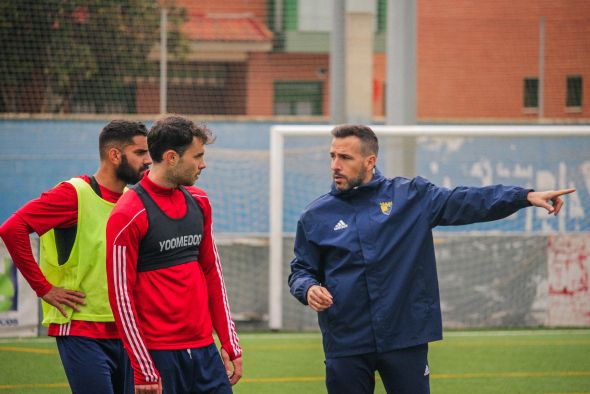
{"points": [[531, 269]]}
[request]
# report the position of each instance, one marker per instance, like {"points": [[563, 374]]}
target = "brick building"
{"points": [[476, 61]]}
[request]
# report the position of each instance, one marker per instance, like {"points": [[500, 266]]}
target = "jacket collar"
{"points": [[372, 184]]}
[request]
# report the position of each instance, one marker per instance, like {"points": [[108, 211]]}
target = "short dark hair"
{"points": [[176, 133], [369, 141], [119, 133]]}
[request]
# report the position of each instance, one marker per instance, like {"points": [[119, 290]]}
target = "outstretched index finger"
{"points": [[561, 192]]}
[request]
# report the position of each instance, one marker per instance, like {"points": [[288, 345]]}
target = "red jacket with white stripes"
{"points": [[168, 308]]}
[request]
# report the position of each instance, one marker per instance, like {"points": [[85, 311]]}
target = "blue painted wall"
{"points": [[37, 154]]}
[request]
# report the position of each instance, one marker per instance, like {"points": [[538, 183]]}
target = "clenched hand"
{"points": [[319, 298]]}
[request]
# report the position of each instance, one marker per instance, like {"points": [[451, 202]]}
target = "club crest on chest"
{"points": [[386, 207]]}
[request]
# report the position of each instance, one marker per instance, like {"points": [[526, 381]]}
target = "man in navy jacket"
{"points": [[364, 260]]}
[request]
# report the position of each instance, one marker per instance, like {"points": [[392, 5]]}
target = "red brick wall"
{"points": [[147, 98], [473, 56], [265, 68], [472, 59], [568, 53]]}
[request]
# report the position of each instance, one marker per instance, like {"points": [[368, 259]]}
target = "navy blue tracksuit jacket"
{"points": [[372, 248]]}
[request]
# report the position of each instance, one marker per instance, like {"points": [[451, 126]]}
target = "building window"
{"points": [[531, 93], [574, 91], [207, 75], [298, 98]]}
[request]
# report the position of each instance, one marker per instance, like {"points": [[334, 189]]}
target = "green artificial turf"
{"points": [[505, 361]]}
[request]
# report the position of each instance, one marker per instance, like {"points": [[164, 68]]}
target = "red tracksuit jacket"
{"points": [[168, 308]]}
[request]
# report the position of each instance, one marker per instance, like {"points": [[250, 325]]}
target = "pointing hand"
{"points": [[550, 200]]}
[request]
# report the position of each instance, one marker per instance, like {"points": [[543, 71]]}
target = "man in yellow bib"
{"points": [[71, 280]]}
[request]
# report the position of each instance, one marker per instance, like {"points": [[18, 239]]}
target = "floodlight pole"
{"points": [[163, 60], [337, 64], [541, 103], [401, 84], [275, 272]]}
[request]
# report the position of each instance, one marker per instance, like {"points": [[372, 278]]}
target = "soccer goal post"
{"points": [[536, 156]]}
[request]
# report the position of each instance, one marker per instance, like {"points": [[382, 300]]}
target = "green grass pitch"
{"points": [[505, 361]]}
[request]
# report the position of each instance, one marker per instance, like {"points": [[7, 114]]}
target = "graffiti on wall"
{"points": [[568, 263], [537, 163]]}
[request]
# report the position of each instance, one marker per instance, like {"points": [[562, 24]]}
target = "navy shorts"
{"points": [[98, 366], [197, 370], [403, 371]]}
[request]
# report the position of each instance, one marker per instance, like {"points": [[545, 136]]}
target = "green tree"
{"points": [[56, 51], [24, 35]]}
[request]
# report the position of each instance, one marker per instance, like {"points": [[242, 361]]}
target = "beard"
{"points": [[351, 183], [128, 174]]}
